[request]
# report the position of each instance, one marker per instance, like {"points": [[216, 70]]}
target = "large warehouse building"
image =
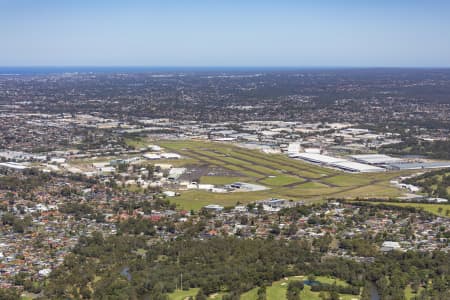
{"points": [[339, 163], [352, 166], [319, 158], [420, 165], [376, 159], [369, 162]]}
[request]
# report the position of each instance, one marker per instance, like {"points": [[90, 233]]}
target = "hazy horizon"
{"points": [[296, 34]]}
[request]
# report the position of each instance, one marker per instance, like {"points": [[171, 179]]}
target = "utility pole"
{"points": [[181, 281]]}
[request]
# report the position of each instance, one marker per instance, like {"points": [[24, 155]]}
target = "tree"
{"points": [[231, 296], [275, 229], [334, 295], [157, 292], [365, 295], [323, 296], [292, 229], [294, 289], [323, 243], [9, 294], [260, 208], [200, 295], [262, 294], [86, 292], [441, 191]]}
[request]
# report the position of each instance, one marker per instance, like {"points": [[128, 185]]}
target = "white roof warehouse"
{"points": [[340, 163]]}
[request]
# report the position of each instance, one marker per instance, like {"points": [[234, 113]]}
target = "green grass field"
{"points": [[437, 209], [182, 295], [409, 293], [348, 180], [287, 178], [281, 180], [196, 199], [436, 176], [221, 180], [277, 291]]}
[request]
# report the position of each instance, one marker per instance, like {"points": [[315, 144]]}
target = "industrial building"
{"points": [[390, 246], [170, 155], [339, 163], [352, 166], [376, 159], [319, 158], [151, 156], [420, 165], [214, 207], [293, 148], [176, 173], [13, 166], [368, 162]]}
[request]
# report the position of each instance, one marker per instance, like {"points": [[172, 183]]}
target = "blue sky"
{"points": [[225, 33]]}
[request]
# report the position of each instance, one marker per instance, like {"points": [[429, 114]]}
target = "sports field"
{"points": [[285, 177]]}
